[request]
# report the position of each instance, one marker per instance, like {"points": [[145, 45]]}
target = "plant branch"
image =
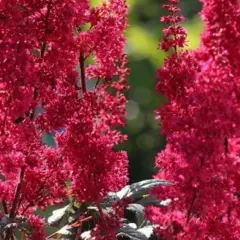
{"points": [[225, 143], [82, 71], [17, 193], [15, 201], [75, 224], [191, 205], [5, 209], [98, 80], [46, 28], [101, 214], [5, 114], [229, 212], [78, 235]]}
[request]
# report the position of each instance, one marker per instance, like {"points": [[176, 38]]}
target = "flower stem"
{"points": [[14, 209], [17, 193], [82, 70], [191, 205], [4, 204]]}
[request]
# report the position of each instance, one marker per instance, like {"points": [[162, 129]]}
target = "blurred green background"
{"points": [[143, 35]]}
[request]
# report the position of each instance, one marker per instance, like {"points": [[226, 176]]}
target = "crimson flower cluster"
{"points": [[201, 122], [175, 35], [58, 62]]}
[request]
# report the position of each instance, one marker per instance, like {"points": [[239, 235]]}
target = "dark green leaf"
{"points": [[58, 215], [131, 233], [137, 190], [151, 200], [138, 213]]}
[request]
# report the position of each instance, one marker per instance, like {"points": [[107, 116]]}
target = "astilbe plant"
{"points": [[201, 123], [51, 50]]}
